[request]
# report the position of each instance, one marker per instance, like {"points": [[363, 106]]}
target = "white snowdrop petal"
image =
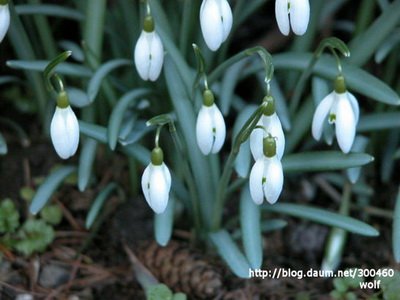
{"points": [[57, 133], [167, 175], [220, 130], [159, 189], [227, 18], [282, 16], [256, 141], [256, 181], [72, 131], [146, 183], [320, 115], [345, 124], [210, 22], [274, 179], [4, 21], [64, 132], [204, 127], [299, 16], [142, 55], [354, 105], [157, 57], [274, 127]]}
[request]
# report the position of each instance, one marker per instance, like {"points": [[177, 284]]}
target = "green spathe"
{"points": [[269, 109], [62, 99], [269, 146], [157, 156], [208, 98], [340, 85], [148, 23]]}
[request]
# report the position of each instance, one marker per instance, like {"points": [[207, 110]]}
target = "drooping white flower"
{"points": [[294, 13], [4, 20], [156, 182], [266, 176], [215, 21], [64, 129], [210, 126], [149, 52], [340, 108], [270, 125]]}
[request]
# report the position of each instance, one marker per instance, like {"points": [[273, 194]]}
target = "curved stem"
{"points": [[188, 178], [241, 137]]}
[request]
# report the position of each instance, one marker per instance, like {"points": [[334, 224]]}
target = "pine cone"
{"points": [[182, 269]]}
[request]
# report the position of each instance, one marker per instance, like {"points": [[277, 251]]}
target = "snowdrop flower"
{"points": [[270, 125], [149, 52], [340, 108], [266, 176], [210, 126], [297, 10], [156, 182], [64, 128], [215, 22], [4, 18]]}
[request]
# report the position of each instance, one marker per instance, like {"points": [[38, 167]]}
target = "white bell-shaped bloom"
{"points": [[149, 52], [215, 21], [271, 126], [210, 129], [4, 20], [64, 132], [294, 13], [156, 184], [342, 110], [266, 180]]}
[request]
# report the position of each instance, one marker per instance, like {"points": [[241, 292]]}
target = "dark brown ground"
{"points": [[102, 270]]}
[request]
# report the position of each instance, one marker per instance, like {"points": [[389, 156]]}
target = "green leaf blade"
{"points": [[230, 253], [324, 161], [48, 187], [98, 204], [323, 216], [97, 78], [117, 115], [250, 220]]}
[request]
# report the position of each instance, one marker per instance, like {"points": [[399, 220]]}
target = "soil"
{"points": [[94, 265]]}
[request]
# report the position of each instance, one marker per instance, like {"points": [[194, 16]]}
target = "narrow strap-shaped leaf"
{"points": [[280, 104], [387, 46], [163, 223], [337, 237], [374, 35], [39, 65], [250, 218], [357, 80], [9, 79], [228, 85], [101, 73], [230, 253], [117, 115], [323, 216], [379, 121], [243, 159], [186, 121], [3, 145], [97, 132], [396, 229], [137, 151], [324, 161], [98, 204], [77, 97], [48, 187], [49, 10], [86, 160]]}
